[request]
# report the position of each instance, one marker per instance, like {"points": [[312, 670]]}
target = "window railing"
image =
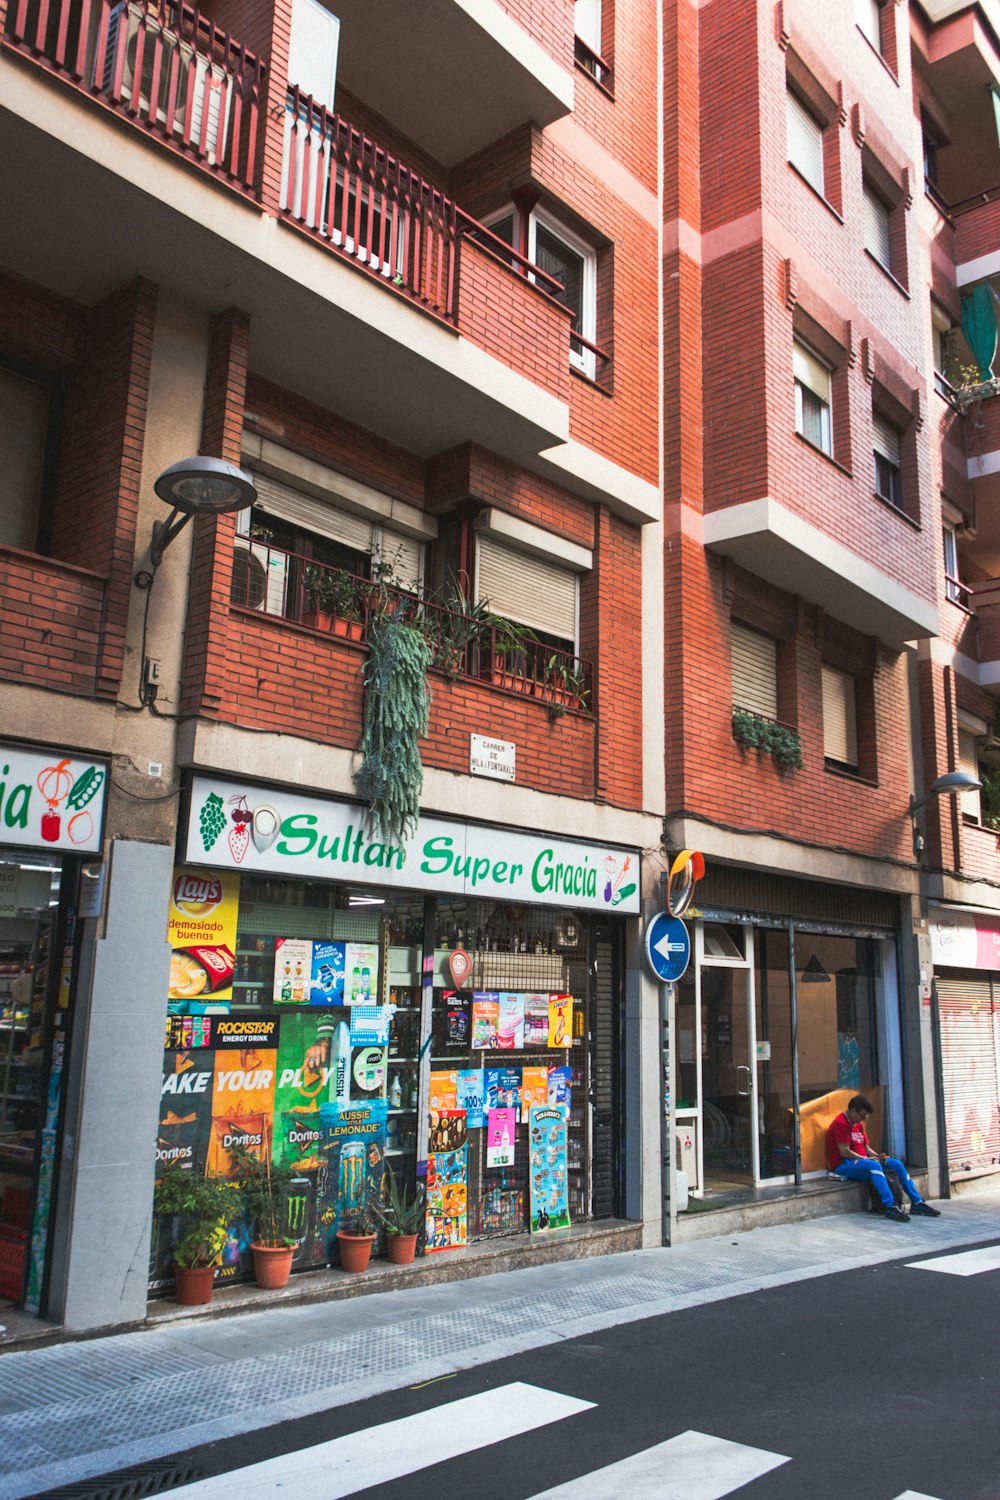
{"points": [[161, 65], [291, 586], [592, 62], [956, 591]]}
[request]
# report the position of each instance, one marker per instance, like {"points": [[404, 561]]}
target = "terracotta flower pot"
{"points": [[272, 1265], [194, 1285], [355, 1250], [401, 1248]]}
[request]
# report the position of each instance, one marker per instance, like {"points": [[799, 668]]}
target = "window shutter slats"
{"points": [[805, 142], [840, 723], [405, 554], [587, 23], [755, 671], [968, 761], [290, 505], [527, 589], [811, 372], [876, 222], [885, 439]]}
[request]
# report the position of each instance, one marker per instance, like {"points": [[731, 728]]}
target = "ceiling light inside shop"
{"points": [[360, 898]]}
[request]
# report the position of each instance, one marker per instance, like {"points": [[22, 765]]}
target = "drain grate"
{"points": [[127, 1484]]}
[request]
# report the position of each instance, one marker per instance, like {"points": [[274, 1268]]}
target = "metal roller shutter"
{"points": [[604, 1081], [527, 589], [755, 671], [406, 556], [277, 499], [970, 1051], [840, 724]]}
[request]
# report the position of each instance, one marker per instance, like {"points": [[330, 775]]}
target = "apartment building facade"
{"points": [[419, 316]]}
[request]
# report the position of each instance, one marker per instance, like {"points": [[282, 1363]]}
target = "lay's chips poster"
{"points": [[201, 930]]}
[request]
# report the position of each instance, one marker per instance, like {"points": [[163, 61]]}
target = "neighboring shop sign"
{"points": [[962, 940], [312, 839], [495, 758], [49, 800]]}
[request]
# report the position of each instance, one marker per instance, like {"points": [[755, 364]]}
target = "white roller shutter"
{"points": [[811, 372], [876, 220], [805, 142], [277, 499], [970, 1043], [840, 718], [406, 556], [755, 671], [968, 761], [885, 439], [527, 589]]}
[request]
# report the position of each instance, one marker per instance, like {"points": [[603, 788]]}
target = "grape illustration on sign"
{"points": [[668, 947]]}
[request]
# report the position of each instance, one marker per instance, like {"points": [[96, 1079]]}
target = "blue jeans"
{"points": [[871, 1171]]}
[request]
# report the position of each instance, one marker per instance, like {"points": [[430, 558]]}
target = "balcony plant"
{"points": [[401, 1216], [355, 1239], [397, 712], [341, 595], [264, 1187], [315, 613], [204, 1208], [565, 683], [754, 732], [511, 644]]}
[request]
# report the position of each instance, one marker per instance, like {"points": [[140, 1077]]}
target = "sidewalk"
{"points": [[72, 1410]]}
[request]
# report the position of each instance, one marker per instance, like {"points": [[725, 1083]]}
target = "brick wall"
{"points": [[50, 622], [507, 316]]}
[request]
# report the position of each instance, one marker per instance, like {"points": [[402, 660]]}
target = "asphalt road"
{"points": [[871, 1385]]}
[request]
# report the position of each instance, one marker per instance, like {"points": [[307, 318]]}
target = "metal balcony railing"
{"points": [[477, 645]]}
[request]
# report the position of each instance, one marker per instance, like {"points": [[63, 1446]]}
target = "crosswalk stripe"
{"points": [[691, 1466], [375, 1455], [969, 1263], [914, 1495]]}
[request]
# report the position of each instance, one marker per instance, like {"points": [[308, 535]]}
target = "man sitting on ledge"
{"points": [[850, 1156]]}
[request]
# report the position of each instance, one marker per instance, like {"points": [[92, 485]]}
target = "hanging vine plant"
{"points": [[397, 705]]}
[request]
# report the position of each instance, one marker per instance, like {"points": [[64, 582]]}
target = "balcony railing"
{"points": [[160, 65], [483, 647]]}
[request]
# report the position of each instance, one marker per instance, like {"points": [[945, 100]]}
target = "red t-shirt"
{"points": [[856, 1136]]}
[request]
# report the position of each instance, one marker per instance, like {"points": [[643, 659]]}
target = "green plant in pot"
{"points": [[401, 1215], [355, 1238], [264, 1188], [315, 613], [340, 596], [204, 1208]]}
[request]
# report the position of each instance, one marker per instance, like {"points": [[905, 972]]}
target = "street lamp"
{"points": [[951, 784], [196, 487]]}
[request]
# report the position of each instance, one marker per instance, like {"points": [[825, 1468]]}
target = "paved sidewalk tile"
{"points": [[72, 1410]]}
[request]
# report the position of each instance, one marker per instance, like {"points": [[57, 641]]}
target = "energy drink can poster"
{"points": [[201, 930], [547, 1129], [242, 1105], [353, 1169]]}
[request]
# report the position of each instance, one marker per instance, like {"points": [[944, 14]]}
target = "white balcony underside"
{"points": [[771, 542]]}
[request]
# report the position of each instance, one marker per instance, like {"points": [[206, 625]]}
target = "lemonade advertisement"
{"points": [[201, 930]]}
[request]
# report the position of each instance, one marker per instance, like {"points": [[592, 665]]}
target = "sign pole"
{"points": [[668, 998]]}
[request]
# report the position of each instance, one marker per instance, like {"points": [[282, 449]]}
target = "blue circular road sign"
{"points": [[668, 947]]}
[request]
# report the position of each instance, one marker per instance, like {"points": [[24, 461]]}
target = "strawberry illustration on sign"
{"points": [[239, 834]]}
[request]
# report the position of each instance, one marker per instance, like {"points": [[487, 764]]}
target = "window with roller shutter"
{"points": [[840, 719], [755, 671], [528, 590]]}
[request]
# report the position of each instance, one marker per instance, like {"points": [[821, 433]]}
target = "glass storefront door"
{"points": [[728, 1093], [776, 1107]]}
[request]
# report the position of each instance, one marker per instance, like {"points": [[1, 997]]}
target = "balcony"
{"points": [[53, 618], [166, 70], [984, 601], [475, 646]]}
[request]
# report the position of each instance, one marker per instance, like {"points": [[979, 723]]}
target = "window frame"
{"points": [[54, 386], [545, 631], [804, 392], [888, 465], [751, 635]]}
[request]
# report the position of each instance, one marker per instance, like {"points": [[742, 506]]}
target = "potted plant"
{"points": [[401, 1216], [510, 655], [355, 1240], [205, 1207], [315, 613], [340, 597], [264, 1187]]}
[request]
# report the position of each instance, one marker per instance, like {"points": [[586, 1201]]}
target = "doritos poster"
{"points": [[242, 1105]]}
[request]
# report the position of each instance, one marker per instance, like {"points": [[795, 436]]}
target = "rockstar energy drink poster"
{"points": [[201, 930]]}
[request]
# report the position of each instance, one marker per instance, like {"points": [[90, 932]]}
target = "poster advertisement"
{"points": [[185, 1123], [201, 931], [536, 1021], [242, 1105], [447, 1182], [368, 1071], [443, 1092], [560, 1020], [360, 973], [510, 1022], [485, 1018], [456, 1021], [561, 1086], [353, 1170], [503, 1089], [326, 974], [534, 1087], [292, 971], [470, 1095], [500, 1138], [370, 1025], [547, 1170]]}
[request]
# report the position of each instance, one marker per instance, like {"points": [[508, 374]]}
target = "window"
{"points": [[571, 262], [868, 15], [312, 54], [24, 430], [528, 590], [952, 578], [755, 671], [888, 474], [588, 24], [805, 142], [840, 719], [968, 760], [877, 218], [813, 410]]}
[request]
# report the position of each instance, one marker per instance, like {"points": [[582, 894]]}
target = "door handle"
{"points": [[743, 1068]]}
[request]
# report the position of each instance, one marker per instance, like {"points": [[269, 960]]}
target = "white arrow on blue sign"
{"points": [[668, 947]]}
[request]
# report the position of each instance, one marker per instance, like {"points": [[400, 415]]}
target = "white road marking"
{"points": [[691, 1466], [361, 1460], [913, 1495], [969, 1263]]}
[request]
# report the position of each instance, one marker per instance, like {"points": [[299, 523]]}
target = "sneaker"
{"points": [[925, 1210], [897, 1214]]}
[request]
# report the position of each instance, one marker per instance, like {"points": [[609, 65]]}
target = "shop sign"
{"points": [[962, 940], [313, 839], [49, 800], [491, 757]]}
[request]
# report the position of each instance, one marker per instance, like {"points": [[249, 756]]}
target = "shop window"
{"points": [[571, 261], [813, 399], [27, 423], [887, 452], [755, 671], [840, 719]]}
